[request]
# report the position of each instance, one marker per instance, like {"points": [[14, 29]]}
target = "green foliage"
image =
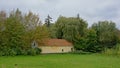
{"points": [[38, 50], [48, 21], [52, 31], [80, 44], [70, 28], [12, 52], [118, 35], [8, 52], [113, 51], [34, 51], [74, 29], [17, 31], [92, 44], [24, 52], [106, 33]]}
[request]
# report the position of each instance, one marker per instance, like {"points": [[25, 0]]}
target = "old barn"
{"points": [[56, 46]]}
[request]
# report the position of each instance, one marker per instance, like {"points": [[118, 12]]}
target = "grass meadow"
{"points": [[60, 61]]}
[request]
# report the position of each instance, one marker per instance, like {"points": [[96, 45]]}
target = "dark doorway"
{"points": [[62, 50], [72, 49]]}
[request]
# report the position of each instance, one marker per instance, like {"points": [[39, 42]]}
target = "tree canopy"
{"points": [[70, 28], [18, 31]]}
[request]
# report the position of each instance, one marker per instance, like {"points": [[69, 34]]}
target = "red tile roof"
{"points": [[56, 42]]}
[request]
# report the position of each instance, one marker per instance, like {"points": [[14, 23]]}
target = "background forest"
{"points": [[18, 30]]}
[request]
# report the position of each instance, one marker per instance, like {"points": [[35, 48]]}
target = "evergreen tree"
{"points": [[48, 21]]}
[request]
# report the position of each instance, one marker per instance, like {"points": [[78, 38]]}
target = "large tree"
{"points": [[12, 31], [17, 32], [71, 28], [106, 33]]}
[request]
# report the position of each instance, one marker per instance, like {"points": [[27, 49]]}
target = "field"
{"points": [[60, 61]]}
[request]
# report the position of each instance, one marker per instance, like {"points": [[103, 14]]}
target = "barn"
{"points": [[56, 46]]}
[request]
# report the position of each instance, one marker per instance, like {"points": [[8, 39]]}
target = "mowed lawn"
{"points": [[61, 61]]}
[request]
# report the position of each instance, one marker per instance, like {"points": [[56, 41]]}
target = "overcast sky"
{"points": [[90, 10]]}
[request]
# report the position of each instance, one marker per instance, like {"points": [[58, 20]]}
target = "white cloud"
{"points": [[91, 10]]}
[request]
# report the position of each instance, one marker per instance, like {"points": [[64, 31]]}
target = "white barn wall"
{"points": [[56, 49]]}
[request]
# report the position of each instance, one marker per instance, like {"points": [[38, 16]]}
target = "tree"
{"points": [[106, 33], [70, 28], [12, 32], [2, 27], [17, 13], [34, 29], [17, 32], [118, 35], [48, 21], [2, 16], [52, 30], [92, 44]]}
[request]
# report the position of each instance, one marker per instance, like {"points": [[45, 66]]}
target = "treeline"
{"points": [[97, 38], [18, 30]]}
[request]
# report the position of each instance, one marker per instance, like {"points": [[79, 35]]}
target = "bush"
{"points": [[113, 51], [34, 51], [12, 52], [19, 51], [24, 52], [38, 50], [6, 51], [1, 53]]}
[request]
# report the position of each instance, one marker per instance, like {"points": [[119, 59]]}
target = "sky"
{"points": [[90, 10]]}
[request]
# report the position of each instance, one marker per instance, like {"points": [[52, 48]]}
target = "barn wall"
{"points": [[56, 49]]}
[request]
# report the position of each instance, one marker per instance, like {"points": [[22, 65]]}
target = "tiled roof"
{"points": [[56, 42]]}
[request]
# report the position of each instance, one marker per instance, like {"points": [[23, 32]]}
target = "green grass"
{"points": [[61, 61]]}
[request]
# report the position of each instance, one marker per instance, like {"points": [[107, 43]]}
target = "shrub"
{"points": [[6, 51], [31, 52], [34, 51], [19, 51], [113, 51], [12, 52], [38, 50], [1, 53], [24, 52]]}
